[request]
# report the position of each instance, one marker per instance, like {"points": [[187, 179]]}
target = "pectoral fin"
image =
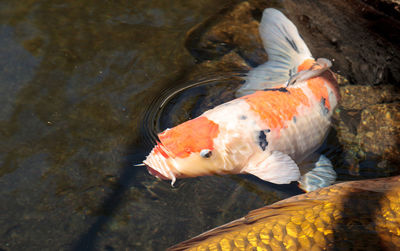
{"points": [[277, 168], [321, 174]]}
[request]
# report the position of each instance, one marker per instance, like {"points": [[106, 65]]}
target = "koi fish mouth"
{"points": [[159, 165], [155, 173]]}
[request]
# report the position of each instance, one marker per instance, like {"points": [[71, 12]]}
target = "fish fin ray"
{"points": [[286, 51], [278, 168]]}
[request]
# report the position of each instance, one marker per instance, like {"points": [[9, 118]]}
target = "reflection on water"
{"points": [[76, 80]]}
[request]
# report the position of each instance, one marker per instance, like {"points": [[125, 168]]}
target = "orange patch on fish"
{"points": [[275, 108], [158, 149], [317, 84], [306, 65], [192, 136], [319, 90]]}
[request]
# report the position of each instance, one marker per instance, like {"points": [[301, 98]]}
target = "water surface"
{"points": [[77, 80]]}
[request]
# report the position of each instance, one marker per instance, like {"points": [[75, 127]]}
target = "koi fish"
{"points": [[357, 215], [281, 116]]}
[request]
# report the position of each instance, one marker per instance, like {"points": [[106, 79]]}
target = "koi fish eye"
{"points": [[205, 153]]}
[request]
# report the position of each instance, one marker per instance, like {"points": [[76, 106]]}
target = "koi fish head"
{"points": [[186, 150]]}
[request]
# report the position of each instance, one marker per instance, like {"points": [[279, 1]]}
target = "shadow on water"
{"points": [[157, 117], [354, 230], [254, 184], [135, 154], [87, 241]]}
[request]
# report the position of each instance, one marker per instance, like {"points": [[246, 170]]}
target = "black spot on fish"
{"points": [[324, 109], [293, 44], [262, 140], [294, 119], [243, 117], [267, 130], [282, 89]]}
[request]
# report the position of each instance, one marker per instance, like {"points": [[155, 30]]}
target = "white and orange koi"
{"points": [[281, 117]]}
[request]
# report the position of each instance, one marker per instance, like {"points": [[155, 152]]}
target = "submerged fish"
{"points": [[281, 117], [358, 215]]}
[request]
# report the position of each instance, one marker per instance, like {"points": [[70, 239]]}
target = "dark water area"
{"points": [[81, 84]]}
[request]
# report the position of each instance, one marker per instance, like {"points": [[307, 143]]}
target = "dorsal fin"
{"points": [[321, 65], [286, 51]]}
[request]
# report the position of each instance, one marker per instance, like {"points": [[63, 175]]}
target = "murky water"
{"points": [[80, 87]]}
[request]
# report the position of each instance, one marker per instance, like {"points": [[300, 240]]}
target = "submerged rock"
{"points": [[361, 96], [389, 7], [362, 39], [230, 63], [379, 130], [230, 30], [367, 123]]}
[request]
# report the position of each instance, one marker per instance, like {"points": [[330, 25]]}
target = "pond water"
{"points": [[81, 83]]}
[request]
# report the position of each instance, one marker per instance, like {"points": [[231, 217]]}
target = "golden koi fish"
{"points": [[357, 215], [281, 117]]}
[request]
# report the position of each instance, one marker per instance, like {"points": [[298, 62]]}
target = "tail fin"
{"points": [[286, 51]]}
